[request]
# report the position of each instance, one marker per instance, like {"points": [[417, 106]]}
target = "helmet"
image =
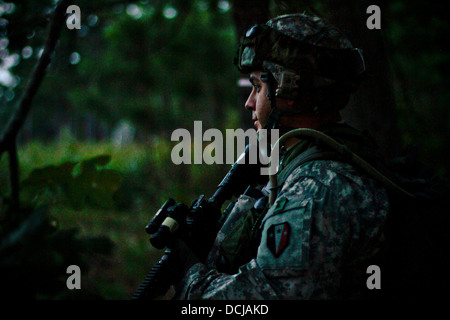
{"points": [[304, 56]]}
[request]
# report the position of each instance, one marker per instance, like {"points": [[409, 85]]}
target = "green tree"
{"points": [[154, 69]]}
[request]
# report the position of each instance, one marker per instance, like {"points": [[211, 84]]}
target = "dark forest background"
{"points": [[94, 152]]}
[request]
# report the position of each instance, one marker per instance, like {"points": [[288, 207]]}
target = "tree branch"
{"points": [[9, 134], [14, 176]]}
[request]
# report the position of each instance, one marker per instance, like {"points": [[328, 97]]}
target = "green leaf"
{"points": [[76, 194], [50, 174], [101, 160], [47, 181], [92, 184]]}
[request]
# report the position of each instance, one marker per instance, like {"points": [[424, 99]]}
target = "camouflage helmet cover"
{"points": [[303, 51], [310, 30]]}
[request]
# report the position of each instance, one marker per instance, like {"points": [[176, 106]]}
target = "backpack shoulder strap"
{"points": [[313, 153]]}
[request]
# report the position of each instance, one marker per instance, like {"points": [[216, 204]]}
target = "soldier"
{"points": [[326, 224]]}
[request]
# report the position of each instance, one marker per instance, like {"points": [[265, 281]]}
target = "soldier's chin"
{"points": [[258, 126]]}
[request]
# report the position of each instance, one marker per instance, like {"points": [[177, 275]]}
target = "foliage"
{"points": [[90, 184], [35, 252], [116, 78], [420, 62], [129, 66], [34, 257], [160, 65], [144, 168]]}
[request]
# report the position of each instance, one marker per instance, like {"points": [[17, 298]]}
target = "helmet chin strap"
{"points": [[274, 115]]}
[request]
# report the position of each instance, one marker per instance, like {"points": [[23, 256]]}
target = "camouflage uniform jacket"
{"points": [[324, 226]]}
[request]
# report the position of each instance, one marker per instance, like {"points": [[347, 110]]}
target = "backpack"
{"points": [[417, 258], [414, 260]]}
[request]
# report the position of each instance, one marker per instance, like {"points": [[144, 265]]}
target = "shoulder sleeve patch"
{"points": [[278, 238]]}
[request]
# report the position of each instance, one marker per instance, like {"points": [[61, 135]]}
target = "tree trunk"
{"points": [[248, 13], [372, 107]]}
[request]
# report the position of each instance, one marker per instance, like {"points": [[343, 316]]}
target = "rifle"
{"points": [[197, 225]]}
